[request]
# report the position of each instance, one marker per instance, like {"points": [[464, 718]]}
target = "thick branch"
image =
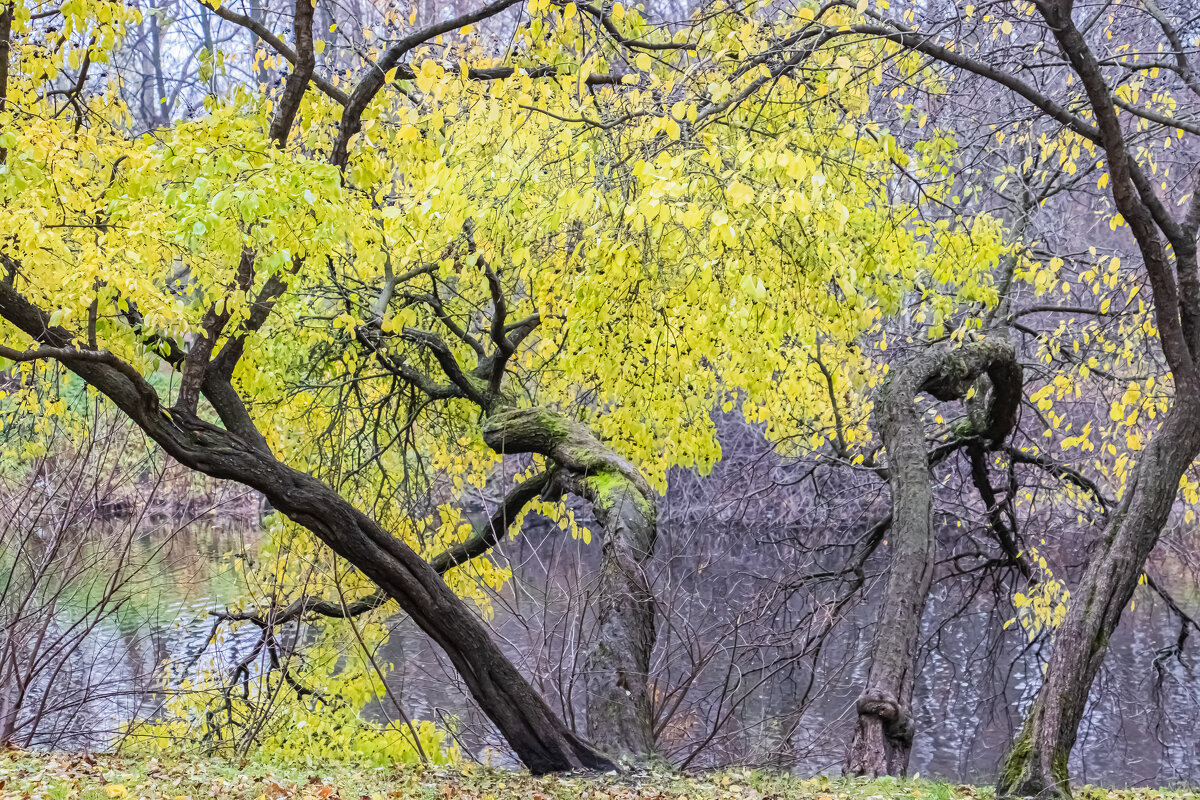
{"points": [[487, 534], [483, 538], [6, 18], [922, 43], [373, 79], [277, 44], [302, 70], [1173, 320]]}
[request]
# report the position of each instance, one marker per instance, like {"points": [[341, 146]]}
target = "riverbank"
{"points": [[30, 776]]}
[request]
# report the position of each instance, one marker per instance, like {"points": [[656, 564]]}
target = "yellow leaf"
{"points": [[740, 194]]}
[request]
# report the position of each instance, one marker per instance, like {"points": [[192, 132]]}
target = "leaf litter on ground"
{"points": [[39, 776]]}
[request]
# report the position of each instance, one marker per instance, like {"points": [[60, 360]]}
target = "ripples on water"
{"points": [[1140, 728]]}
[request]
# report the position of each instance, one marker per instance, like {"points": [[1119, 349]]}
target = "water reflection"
{"points": [[972, 684]]}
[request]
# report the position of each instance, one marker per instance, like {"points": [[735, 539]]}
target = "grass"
{"points": [[30, 776]]}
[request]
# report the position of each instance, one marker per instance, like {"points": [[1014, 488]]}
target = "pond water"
{"points": [[1140, 728]]}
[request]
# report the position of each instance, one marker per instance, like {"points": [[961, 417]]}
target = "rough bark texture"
{"points": [[1036, 766], [6, 18], [542, 742], [618, 698], [1037, 763], [884, 730]]}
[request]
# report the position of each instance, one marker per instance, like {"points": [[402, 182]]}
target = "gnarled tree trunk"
{"points": [[884, 731], [618, 693], [1036, 765]]}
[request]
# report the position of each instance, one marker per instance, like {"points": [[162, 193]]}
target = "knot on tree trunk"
{"points": [[897, 725]]}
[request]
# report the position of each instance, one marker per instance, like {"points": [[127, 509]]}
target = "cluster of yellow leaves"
{"points": [[1044, 605], [326, 726], [686, 253]]}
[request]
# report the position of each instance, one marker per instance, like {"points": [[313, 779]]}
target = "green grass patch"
{"points": [[31, 776]]}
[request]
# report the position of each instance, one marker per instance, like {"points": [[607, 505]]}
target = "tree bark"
{"points": [[1036, 765], [542, 742], [883, 732], [6, 19], [619, 713]]}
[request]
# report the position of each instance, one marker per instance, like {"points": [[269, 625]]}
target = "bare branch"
{"points": [[302, 70]]}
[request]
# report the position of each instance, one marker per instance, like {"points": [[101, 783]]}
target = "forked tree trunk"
{"points": [[619, 716], [883, 732], [1036, 765]]}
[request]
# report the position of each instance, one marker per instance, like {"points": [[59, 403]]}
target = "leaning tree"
{"points": [[552, 249]]}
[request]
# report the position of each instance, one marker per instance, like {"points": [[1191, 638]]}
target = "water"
{"points": [[738, 678]]}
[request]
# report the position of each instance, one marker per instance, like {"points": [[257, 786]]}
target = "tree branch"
{"points": [[373, 78], [277, 44], [302, 70]]}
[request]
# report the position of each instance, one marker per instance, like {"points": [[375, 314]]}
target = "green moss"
{"points": [[1015, 762], [543, 426], [1058, 770], [964, 428], [556, 424], [955, 366], [1016, 768], [606, 487], [587, 456]]}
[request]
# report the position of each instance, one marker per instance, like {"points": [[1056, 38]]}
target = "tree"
{"points": [[1118, 109], [533, 259], [884, 731]]}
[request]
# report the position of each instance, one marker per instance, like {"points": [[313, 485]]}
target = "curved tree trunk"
{"points": [[1038, 760], [542, 742], [1036, 765], [540, 739], [619, 714], [883, 733]]}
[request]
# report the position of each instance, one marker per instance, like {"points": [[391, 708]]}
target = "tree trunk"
{"points": [[619, 715], [618, 664], [540, 739], [1036, 765], [542, 742], [883, 732]]}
